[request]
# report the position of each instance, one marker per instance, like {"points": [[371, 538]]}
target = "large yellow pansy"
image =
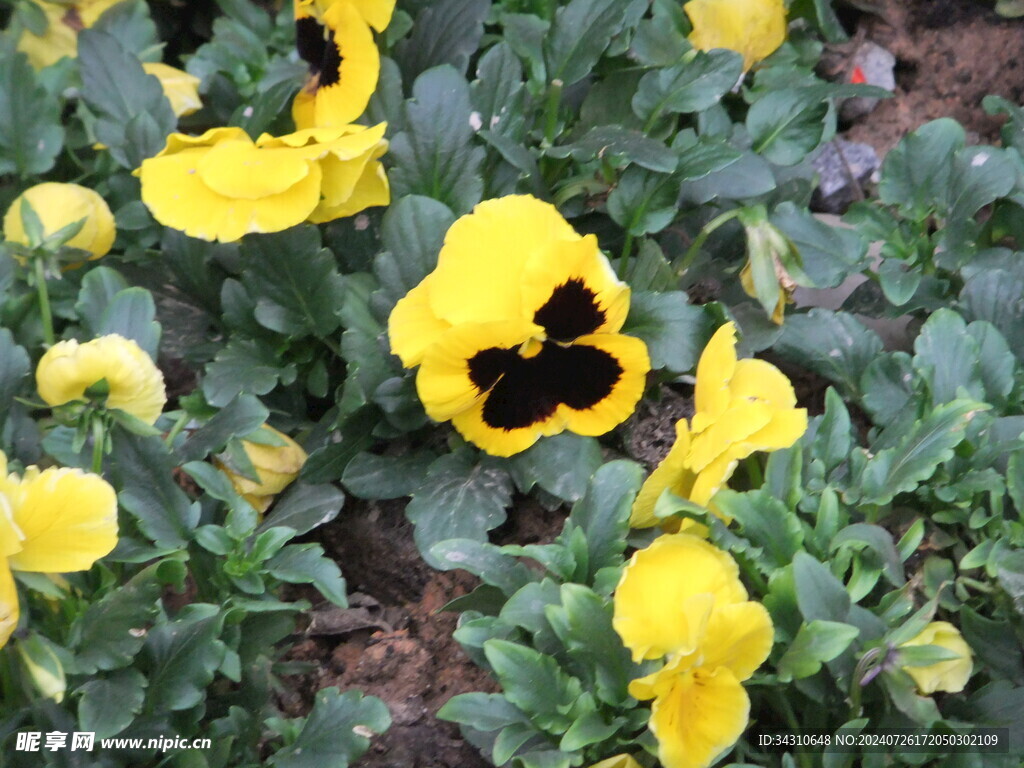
{"points": [[516, 330], [753, 28], [135, 385], [58, 205]]}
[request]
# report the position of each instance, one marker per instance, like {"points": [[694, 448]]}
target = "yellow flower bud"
{"points": [[753, 28], [180, 88], [58, 205], [44, 668], [276, 465], [135, 384], [950, 676]]}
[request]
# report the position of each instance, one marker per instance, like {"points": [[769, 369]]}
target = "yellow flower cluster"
{"points": [[516, 332], [277, 466], [51, 521], [950, 676], [681, 599], [134, 383], [741, 406], [754, 28], [222, 185], [57, 205]]}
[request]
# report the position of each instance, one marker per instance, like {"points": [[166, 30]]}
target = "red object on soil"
{"points": [[857, 76]]}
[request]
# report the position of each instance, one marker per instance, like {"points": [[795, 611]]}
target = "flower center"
{"points": [[571, 312]]}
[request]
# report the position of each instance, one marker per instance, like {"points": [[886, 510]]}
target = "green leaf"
{"points": [[947, 357], [914, 459], [828, 254], [458, 500], [819, 594], [181, 657], [612, 141], [833, 344], [484, 560], [31, 136], [879, 541], [816, 642], [132, 314], [898, 281], [657, 44], [434, 155], [674, 330], [295, 282], [650, 270], [498, 94], [890, 383], [481, 711], [533, 682], [370, 476], [787, 125], [445, 32], [994, 644], [387, 105], [918, 169], [304, 507], [336, 732], [991, 295], [244, 365], [603, 513], [833, 439], [142, 469], [643, 202], [589, 729], [766, 522], [980, 175], [700, 157], [996, 364], [238, 418], [561, 465], [14, 370], [134, 116], [307, 564], [109, 704], [822, 13], [689, 87], [579, 35], [131, 25], [412, 233], [99, 287], [110, 631], [525, 34]]}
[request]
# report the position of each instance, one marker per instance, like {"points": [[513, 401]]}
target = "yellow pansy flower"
{"points": [[344, 63], [135, 385], [950, 676], [180, 88], [619, 761], [681, 598], [57, 205], [64, 21], [753, 28], [516, 332], [51, 521], [222, 185], [376, 13], [741, 406], [277, 466]]}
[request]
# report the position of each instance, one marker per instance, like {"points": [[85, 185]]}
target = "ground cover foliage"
{"points": [[494, 214]]}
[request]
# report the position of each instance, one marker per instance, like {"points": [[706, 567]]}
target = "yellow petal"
{"points": [[472, 425], [376, 13], [699, 718], [57, 205], [655, 591], [447, 383], [753, 28], [135, 384], [741, 419], [949, 676], [371, 189], [9, 609], [712, 479], [413, 327], [276, 465], [619, 761], [672, 472], [714, 372], [755, 379], [180, 88], [68, 518], [616, 403], [738, 636], [782, 430], [238, 170], [481, 265], [571, 290]]}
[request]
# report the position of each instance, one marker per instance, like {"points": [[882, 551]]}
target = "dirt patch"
{"points": [[950, 55]]}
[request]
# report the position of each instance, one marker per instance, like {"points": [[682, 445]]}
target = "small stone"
{"points": [[841, 177], [878, 67]]}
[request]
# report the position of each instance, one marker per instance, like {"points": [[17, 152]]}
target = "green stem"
{"points": [[176, 429], [98, 439], [786, 710], [687, 259], [44, 301], [551, 105], [753, 467], [627, 246]]}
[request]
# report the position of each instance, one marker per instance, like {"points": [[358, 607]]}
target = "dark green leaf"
{"points": [[580, 34], [533, 682], [244, 365], [304, 507], [485, 561], [30, 133], [445, 32], [482, 711], [14, 370], [610, 141], [766, 522], [182, 655], [109, 704], [689, 87], [816, 642], [603, 513], [819, 594], [643, 202], [132, 314], [561, 464], [918, 169], [787, 125], [370, 476], [238, 418], [307, 564]]}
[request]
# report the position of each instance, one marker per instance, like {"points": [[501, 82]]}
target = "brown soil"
{"points": [[950, 54], [395, 642]]}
